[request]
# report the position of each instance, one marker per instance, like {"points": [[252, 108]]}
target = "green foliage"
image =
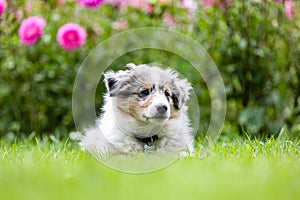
{"points": [[259, 60], [252, 119], [254, 45]]}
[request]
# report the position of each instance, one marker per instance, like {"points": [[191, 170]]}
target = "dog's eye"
{"points": [[144, 92], [167, 94]]}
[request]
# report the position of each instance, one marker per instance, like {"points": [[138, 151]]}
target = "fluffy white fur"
{"points": [[115, 131]]}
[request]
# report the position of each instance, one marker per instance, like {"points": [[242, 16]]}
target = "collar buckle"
{"points": [[148, 142]]}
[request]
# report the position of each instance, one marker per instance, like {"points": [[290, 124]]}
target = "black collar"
{"points": [[148, 140]]}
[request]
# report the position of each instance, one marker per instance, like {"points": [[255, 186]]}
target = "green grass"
{"points": [[238, 169]]}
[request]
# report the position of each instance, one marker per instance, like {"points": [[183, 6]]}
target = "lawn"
{"points": [[237, 169]]}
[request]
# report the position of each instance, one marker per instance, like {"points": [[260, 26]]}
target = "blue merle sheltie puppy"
{"points": [[144, 110]]}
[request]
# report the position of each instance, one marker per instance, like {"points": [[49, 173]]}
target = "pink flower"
{"points": [[31, 30], [121, 24], [28, 6], [141, 4], [225, 4], [61, 2], [117, 3], [3, 5], [289, 8], [92, 4], [19, 15], [207, 3], [168, 20], [71, 36], [190, 5]]}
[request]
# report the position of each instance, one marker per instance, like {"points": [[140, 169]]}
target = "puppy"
{"points": [[144, 111]]}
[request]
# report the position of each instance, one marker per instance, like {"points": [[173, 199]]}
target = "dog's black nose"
{"points": [[161, 108]]}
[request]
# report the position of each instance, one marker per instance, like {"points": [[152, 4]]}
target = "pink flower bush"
{"points": [[31, 30], [71, 36], [92, 4], [3, 5]]}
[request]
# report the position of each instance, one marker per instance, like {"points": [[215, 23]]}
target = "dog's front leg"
{"points": [[175, 145]]}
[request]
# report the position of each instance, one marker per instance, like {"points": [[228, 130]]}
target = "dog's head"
{"points": [[148, 93]]}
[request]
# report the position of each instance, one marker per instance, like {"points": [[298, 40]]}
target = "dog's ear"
{"points": [[131, 66], [115, 81], [180, 92]]}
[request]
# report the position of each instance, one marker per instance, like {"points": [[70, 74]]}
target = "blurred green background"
{"points": [[254, 44]]}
